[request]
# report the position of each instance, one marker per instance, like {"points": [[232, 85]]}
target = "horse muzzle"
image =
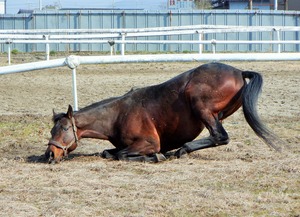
{"points": [[56, 151], [50, 156]]}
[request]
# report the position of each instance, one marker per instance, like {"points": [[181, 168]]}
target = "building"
{"points": [[256, 4], [289, 5], [241, 4], [180, 4], [237, 4]]}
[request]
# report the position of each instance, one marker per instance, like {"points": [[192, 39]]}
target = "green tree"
{"points": [[203, 4]]}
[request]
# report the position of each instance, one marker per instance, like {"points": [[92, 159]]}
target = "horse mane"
{"points": [[57, 117], [97, 104]]}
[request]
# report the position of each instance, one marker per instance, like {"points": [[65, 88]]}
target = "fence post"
{"points": [[278, 39], [200, 36], [112, 46], [46, 37], [74, 89], [123, 44], [213, 43], [73, 62], [8, 42]]}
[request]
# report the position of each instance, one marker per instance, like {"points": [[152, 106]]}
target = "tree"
{"points": [[203, 4], [55, 6]]}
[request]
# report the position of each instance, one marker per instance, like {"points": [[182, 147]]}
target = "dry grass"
{"points": [[244, 178]]}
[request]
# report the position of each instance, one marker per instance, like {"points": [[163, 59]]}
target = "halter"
{"points": [[65, 148]]}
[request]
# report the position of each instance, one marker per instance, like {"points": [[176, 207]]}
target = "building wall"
{"points": [[180, 4], [144, 19], [244, 6], [292, 5]]}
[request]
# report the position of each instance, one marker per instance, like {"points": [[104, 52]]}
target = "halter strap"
{"points": [[75, 139]]}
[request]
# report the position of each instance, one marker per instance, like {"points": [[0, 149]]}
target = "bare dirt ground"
{"points": [[244, 178]]}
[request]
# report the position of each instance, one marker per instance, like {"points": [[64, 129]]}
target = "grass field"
{"points": [[244, 178]]}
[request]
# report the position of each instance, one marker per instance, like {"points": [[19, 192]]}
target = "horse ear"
{"points": [[54, 113], [70, 112]]}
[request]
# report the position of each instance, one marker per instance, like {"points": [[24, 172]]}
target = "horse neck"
{"points": [[95, 123]]}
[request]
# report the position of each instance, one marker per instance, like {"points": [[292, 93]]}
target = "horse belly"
{"points": [[184, 132]]}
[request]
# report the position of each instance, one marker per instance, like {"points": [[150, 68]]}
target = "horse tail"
{"points": [[250, 96]]}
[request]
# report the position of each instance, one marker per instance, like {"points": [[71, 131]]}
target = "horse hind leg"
{"points": [[218, 136]]}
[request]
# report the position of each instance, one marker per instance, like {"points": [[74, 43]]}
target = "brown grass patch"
{"points": [[244, 178]]}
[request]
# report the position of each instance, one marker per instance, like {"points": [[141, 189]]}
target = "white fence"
{"points": [[120, 36], [73, 61]]}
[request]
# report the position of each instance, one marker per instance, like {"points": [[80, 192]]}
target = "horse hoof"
{"points": [[180, 152], [160, 157], [107, 155]]}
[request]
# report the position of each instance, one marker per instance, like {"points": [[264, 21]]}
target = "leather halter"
{"points": [[65, 148]]}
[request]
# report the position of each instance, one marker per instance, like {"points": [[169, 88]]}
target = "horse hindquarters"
{"points": [[212, 102]]}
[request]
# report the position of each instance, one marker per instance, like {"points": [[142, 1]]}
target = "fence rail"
{"points": [[74, 61], [113, 37]]}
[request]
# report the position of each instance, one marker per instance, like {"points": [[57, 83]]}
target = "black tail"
{"points": [[250, 96]]}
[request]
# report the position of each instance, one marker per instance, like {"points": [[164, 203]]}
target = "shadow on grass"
{"points": [[42, 158]]}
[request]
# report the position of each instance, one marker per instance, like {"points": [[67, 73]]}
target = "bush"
{"points": [[14, 51], [52, 53]]}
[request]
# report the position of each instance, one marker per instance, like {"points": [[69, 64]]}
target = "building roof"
{"points": [[24, 11]]}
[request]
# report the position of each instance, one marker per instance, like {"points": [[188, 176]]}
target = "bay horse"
{"points": [[146, 123]]}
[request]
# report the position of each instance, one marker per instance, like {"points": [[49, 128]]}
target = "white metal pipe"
{"points": [[123, 44], [152, 58], [154, 42], [213, 43], [189, 58], [278, 38], [32, 66], [47, 47], [135, 32], [200, 36], [275, 5], [163, 29], [9, 53], [74, 87], [86, 36], [16, 36]]}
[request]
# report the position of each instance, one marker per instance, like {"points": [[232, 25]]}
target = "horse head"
{"points": [[63, 136]]}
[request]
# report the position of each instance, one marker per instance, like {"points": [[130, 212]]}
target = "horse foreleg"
{"points": [[133, 156]]}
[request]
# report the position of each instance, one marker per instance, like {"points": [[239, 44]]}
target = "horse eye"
{"points": [[65, 128]]}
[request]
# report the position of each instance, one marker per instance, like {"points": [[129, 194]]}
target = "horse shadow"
{"points": [[43, 159]]}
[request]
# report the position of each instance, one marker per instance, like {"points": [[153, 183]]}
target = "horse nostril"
{"points": [[50, 156]]}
